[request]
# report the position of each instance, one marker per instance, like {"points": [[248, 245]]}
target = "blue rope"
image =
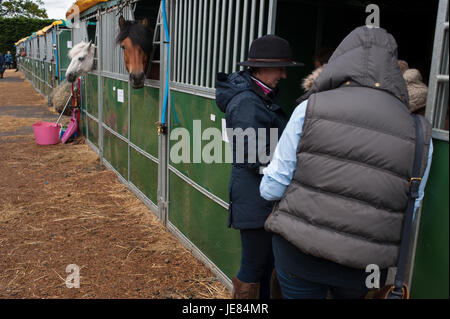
{"points": [[56, 54], [166, 90]]}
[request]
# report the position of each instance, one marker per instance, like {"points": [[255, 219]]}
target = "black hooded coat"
{"points": [[246, 106]]}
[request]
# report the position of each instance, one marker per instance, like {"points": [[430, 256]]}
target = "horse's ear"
{"points": [[122, 22], [145, 22]]}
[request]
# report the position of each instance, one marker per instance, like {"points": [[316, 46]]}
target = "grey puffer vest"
{"points": [[348, 195]]}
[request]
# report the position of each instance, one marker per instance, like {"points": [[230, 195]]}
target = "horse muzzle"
{"points": [[137, 80], [71, 77]]}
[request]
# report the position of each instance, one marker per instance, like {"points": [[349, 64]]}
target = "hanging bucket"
{"points": [[46, 133]]}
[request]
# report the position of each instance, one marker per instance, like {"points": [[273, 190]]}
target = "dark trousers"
{"points": [[293, 287], [257, 259]]}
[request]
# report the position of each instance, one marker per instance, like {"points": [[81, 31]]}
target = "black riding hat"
{"points": [[270, 51]]}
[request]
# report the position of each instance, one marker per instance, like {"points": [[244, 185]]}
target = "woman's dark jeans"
{"points": [[257, 259], [293, 287]]}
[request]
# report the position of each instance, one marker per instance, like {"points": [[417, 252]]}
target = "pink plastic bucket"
{"points": [[46, 133], [72, 128]]}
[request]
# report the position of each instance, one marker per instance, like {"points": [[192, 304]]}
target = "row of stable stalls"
{"points": [[43, 56], [205, 37]]}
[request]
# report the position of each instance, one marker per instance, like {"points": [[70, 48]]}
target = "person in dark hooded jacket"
{"points": [[247, 98], [342, 172]]}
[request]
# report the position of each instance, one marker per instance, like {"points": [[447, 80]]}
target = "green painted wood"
{"points": [[84, 125], [115, 152], [43, 79], [204, 222], [430, 277], [34, 71], [54, 80], [38, 75], [144, 175], [91, 94], [115, 113], [92, 131], [144, 112], [47, 78], [186, 108], [64, 60]]}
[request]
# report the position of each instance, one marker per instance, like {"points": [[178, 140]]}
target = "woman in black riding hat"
{"points": [[247, 98]]}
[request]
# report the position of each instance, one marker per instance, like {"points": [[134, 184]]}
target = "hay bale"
{"points": [[60, 96]]}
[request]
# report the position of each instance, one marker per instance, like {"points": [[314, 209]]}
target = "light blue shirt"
{"points": [[278, 175]]}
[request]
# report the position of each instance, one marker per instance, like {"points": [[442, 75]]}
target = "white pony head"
{"points": [[82, 56]]}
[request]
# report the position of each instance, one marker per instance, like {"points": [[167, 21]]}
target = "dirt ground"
{"points": [[60, 206]]}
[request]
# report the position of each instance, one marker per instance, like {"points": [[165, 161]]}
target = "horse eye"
{"points": [[123, 47], [81, 58]]}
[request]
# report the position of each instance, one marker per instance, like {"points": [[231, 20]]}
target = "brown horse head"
{"points": [[135, 38]]}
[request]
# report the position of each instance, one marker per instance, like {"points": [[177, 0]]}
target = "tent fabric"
{"points": [[83, 5]]}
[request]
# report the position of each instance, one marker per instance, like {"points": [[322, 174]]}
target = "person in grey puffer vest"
{"points": [[247, 99], [341, 172]]}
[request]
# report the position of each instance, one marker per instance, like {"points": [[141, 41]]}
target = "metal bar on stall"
{"points": [[244, 30], [442, 78], [194, 40], [208, 51], [175, 47], [222, 35], [236, 35], [216, 29], [100, 86], [228, 49], [436, 61], [272, 16], [261, 18], [199, 39], [202, 73], [180, 38], [252, 23], [183, 62], [188, 58]]}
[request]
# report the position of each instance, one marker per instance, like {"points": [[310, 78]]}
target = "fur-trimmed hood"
{"points": [[308, 82], [417, 90], [367, 57]]}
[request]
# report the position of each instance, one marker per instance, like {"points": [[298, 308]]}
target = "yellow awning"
{"points": [[83, 5], [57, 22], [45, 29], [41, 32]]}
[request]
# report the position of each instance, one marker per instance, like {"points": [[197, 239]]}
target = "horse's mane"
{"points": [[138, 33], [77, 49]]}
